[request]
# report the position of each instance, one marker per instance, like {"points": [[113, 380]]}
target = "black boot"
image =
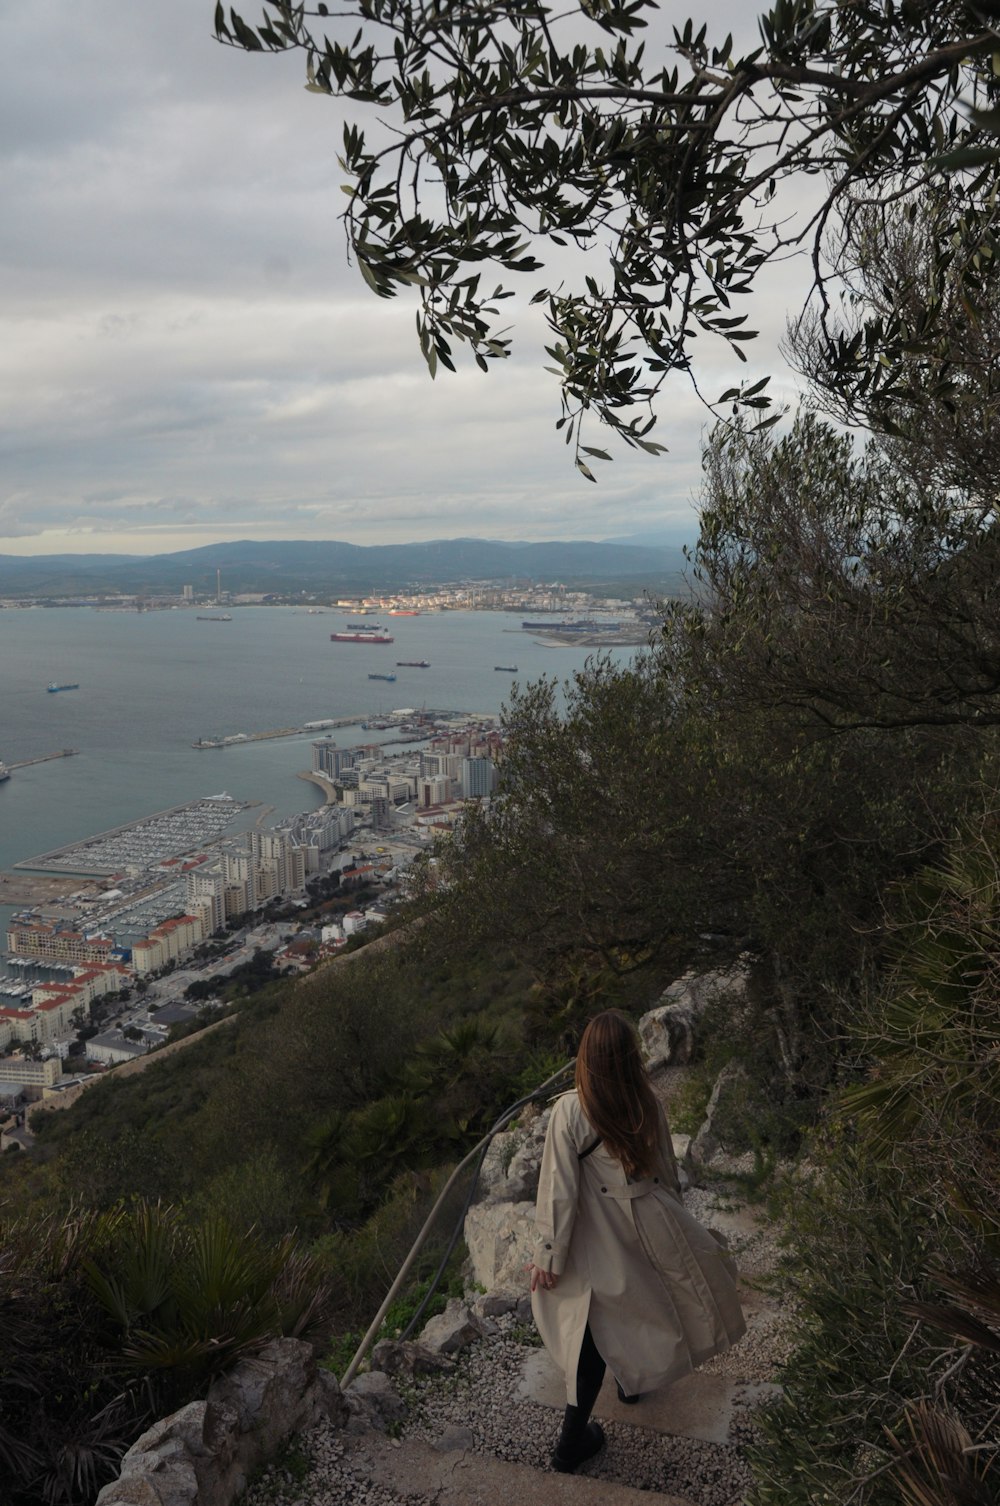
{"points": [[579, 1440]]}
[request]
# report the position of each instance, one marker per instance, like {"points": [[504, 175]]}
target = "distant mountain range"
{"points": [[309, 565]]}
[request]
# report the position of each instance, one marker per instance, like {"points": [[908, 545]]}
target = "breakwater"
{"points": [[25, 763], [328, 724]]}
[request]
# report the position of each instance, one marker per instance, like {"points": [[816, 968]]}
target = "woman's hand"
{"points": [[539, 1278]]}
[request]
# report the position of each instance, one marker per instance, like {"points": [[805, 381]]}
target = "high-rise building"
{"points": [[478, 777]]}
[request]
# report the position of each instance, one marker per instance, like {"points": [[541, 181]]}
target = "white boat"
{"points": [[4, 771]]}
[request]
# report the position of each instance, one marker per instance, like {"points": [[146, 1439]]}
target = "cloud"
{"points": [[185, 352]]}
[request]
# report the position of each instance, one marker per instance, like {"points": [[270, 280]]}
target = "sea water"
{"points": [[152, 683]]}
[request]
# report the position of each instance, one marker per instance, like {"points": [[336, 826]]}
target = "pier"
{"points": [[25, 763], [235, 739]]}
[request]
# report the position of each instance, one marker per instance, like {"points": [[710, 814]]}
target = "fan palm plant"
{"points": [[185, 1303]]}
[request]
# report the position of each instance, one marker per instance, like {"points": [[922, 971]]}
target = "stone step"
{"points": [[699, 1406], [462, 1478]]}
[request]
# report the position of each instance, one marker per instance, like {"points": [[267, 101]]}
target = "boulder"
{"points": [[453, 1329], [279, 1392], [374, 1402], [162, 1467], [668, 1032], [402, 1357], [493, 1305], [204, 1454], [500, 1238]]}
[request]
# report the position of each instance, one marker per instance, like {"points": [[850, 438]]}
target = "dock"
{"points": [[236, 739]]}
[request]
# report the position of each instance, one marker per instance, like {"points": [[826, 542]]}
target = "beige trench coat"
{"points": [[657, 1289]]}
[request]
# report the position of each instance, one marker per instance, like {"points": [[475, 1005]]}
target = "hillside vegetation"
{"points": [[803, 770]]}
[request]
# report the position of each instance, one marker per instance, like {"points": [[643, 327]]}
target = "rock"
{"points": [[278, 1392], [452, 1330], [374, 1401], [493, 1305], [510, 1169], [402, 1357], [455, 1438], [669, 1032], [706, 1142], [500, 1238], [160, 1467], [523, 1309], [203, 1454]]}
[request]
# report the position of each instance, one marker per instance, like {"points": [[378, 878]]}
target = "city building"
{"points": [[478, 778], [57, 943], [172, 941]]}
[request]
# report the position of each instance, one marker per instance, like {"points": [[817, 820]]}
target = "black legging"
{"points": [[589, 1375]]}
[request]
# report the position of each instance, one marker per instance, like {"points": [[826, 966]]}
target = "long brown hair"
{"points": [[614, 1091]]}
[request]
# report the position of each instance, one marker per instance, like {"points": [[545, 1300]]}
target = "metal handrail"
{"points": [[404, 1270]]}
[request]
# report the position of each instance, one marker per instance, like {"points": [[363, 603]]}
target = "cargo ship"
{"points": [[381, 677], [54, 687], [506, 669], [222, 617], [365, 636], [413, 664]]}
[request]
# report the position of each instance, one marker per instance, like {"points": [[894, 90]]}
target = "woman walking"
{"points": [[621, 1275]]}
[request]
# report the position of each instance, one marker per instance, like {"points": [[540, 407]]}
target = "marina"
{"points": [[140, 845]]}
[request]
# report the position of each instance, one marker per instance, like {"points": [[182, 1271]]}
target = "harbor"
{"points": [[137, 846]]}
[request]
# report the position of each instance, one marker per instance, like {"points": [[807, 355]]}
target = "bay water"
{"points": [[152, 683]]}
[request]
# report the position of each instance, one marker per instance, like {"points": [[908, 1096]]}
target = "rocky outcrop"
{"points": [[500, 1238], [500, 1226], [669, 1031], [510, 1169], [204, 1454], [709, 1139]]}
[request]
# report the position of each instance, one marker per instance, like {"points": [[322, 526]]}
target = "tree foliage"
{"points": [[893, 1391], [839, 589], [513, 128]]}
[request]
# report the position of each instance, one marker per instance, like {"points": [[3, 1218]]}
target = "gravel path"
{"points": [[473, 1408]]}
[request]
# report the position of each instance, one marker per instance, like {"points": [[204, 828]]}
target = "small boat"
{"points": [[4, 772], [382, 677], [413, 664], [54, 687], [506, 669]]}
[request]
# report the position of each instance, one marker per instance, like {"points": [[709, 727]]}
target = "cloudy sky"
{"points": [[185, 355]]}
